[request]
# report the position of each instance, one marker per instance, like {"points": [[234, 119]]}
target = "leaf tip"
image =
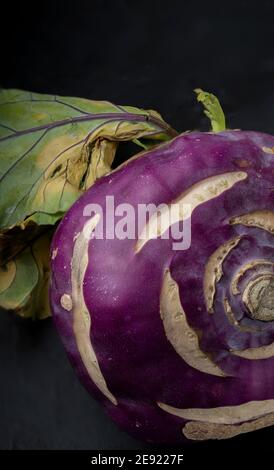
{"points": [[212, 109]]}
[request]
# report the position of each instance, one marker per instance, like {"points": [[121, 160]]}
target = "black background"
{"points": [[149, 54]]}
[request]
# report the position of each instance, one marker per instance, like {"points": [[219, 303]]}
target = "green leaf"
{"points": [[24, 281], [53, 148], [213, 109]]}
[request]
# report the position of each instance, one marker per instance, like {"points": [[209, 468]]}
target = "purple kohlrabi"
{"points": [[175, 339]]}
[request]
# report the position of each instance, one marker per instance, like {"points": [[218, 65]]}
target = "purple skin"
{"points": [[122, 289]]}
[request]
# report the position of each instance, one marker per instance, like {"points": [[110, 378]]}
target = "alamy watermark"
{"points": [[146, 222]]}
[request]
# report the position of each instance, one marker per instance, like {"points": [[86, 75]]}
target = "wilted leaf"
{"points": [[24, 281], [102, 155], [13, 241], [47, 145], [213, 109], [51, 150]]}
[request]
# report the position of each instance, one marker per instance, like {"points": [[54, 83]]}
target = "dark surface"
{"points": [[148, 54]]}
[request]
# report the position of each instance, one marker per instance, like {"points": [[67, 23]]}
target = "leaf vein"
{"points": [[26, 195], [86, 118], [23, 156], [7, 127]]}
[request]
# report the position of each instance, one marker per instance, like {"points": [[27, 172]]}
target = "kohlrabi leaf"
{"points": [[13, 241], [213, 109], [24, 281], [52, 148], [141, 144]]}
